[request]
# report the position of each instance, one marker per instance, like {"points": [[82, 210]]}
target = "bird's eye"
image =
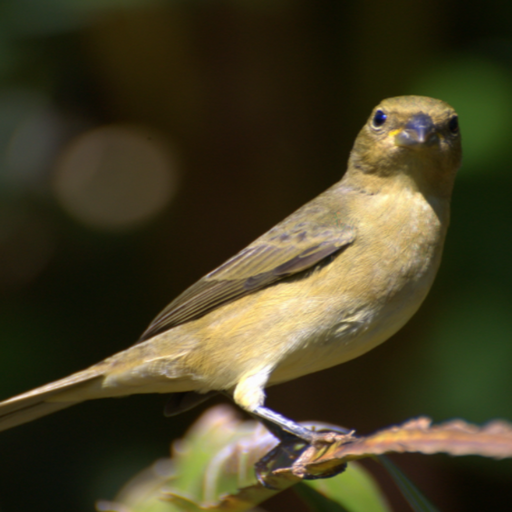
{"points": [[379, 119], [453, 125]]}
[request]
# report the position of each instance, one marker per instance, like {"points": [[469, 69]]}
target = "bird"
{"points": [[336, 278]]}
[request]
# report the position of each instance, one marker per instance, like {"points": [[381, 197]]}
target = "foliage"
{"points": [[224, 464]]}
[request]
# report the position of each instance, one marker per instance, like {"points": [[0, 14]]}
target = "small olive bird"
{"points": [[330, 282]]}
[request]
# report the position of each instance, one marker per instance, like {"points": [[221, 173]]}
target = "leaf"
{"points": [[317, 501], [354, 491], [224, 464], [413, 496], [215, 458], [455, 438]]}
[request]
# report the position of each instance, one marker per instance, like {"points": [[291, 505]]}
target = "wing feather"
{"points": [[285, 250]]}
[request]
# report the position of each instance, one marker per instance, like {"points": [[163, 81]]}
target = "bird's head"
{"points": [[415, 138]]}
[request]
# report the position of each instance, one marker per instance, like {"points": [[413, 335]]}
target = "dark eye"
{"points": [[453, 125], [379, 119]]}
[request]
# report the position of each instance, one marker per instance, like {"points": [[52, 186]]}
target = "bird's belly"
{"points": [[379, 294], [349, 337]]}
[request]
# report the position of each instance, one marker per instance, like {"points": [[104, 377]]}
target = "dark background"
{"points": [[142, 143]]}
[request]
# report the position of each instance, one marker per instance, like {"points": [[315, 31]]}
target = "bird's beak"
{"points": [[419, 131]]}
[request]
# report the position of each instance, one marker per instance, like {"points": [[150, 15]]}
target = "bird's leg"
{"points": [[294, 440], [249, 395], [282, 427]]}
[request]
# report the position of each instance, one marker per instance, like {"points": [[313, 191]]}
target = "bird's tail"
{"points": [[51, 398]]}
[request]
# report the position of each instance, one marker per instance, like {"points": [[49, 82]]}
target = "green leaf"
{"points": [[354, 490], [410, 492], [316, 501]]}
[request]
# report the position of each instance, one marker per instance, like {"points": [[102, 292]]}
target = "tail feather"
{"points": [[49, 398], [32, 412]]}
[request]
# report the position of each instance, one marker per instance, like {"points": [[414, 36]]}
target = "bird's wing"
{"points": [[279, 253]]}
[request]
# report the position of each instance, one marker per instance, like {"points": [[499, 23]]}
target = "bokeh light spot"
{"points": [[115, 177]]}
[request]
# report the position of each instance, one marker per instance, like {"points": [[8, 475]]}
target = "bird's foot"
{"points": [[287, 430]]}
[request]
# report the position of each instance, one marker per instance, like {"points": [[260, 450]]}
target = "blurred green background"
{"points": [[144, 142]]}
